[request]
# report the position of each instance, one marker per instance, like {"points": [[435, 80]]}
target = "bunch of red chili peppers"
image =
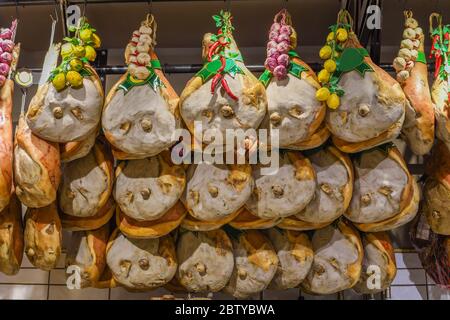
{"points": [[218, 48]]}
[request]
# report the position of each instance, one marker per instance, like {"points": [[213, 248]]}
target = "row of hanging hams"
{"points": [[147, 222]]}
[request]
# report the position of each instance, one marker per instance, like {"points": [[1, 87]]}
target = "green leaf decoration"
{"points": [[152, 80], [350, 59], [265, 77]]}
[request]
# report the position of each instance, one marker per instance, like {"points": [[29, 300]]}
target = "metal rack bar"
{"points": [[13, 3], [194, 68]]}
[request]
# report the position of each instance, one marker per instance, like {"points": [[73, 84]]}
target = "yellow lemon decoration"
{"points": [[79, 51], [330, 37], [333, 101], [325, 52], [59, 81], [322, 94], [96, 40], [323, 76], [341, 34], [90, 53], [74, 78], [67, 49], [86, 35], [330, 65], [76, 64]]}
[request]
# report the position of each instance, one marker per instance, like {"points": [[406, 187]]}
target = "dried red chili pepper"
{"points": [[228, 90]]}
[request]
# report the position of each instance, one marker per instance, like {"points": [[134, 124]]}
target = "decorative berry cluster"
{"points": [[76, 52], [6, 49], [278, 48], [142, 42]]}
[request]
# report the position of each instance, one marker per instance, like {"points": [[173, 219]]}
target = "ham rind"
{"points": [[87, 253], [141, 263], [6, 142], [145, 189], [37, 170], [11, 237], [436, 190], [378, 253], [43, 236], [256, 263], [205, 260], [338, 255]]}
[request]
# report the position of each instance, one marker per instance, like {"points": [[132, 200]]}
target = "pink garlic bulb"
{"points": [[7, 45], [2, 80], [283, 47], [286, 30], [4, 69], [271, 51], [275, 27], [273, 35], [6, 34], [272, 44], [271, 63], [6, 57], [283, 37], [280, 72], [283, 59]]}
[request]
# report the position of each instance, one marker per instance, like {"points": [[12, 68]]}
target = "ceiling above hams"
{"points": [[182, 23]]}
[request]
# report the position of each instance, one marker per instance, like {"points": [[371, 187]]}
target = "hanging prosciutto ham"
{"points": [[366, 106], [440, 92], [68, 106], [224, 94], [141, 110], [291, 88], [385, 194], [412, 73], [9, 55]]}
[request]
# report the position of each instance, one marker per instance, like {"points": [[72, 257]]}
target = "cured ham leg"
{"points": [[412, 73]]}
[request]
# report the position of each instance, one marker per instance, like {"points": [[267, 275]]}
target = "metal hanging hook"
{"points": [[84, 8], [17, 10], [150, 6]]}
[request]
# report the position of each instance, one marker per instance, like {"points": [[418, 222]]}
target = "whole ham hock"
{"points": [[37, 172], [291, 87], [338, 256], [86, 255], [141, 110], [141, 264], [366, 106], [385, 194], [256, 263], [68, 106], [412, 73], [224, 94], [295, 255], [378, 256], [11, 237], [8, 63], [436, 190], [43, 236], [215, 194], [284, 192], [205, 260], [85, 191]]}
